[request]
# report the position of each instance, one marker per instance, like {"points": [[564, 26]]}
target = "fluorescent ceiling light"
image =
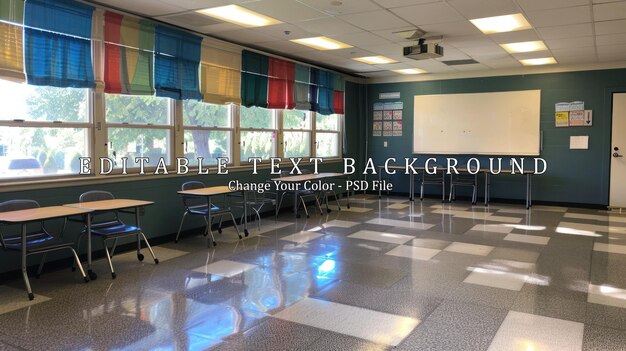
{"points": [[538, 61], [375, 60], [322, 43], [500, 24], [524, 46], [239, 15], [410, 71]]}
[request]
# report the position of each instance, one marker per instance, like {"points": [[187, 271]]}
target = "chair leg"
{"points": [[319, 207], [80, 266], [280, 203], [106, 251], [422, 192], [235, 225], [210, 232], [206, 230], [80, 237], [180, 226], [43, 261], [304, 205], [219, 227], [156, 260], [113, 248], [451, 190], [337, 200]]}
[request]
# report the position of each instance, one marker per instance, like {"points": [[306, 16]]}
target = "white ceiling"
{"points": [[575, 31]]}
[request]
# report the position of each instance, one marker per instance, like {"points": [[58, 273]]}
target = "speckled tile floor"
{"points": [[387, 274]]}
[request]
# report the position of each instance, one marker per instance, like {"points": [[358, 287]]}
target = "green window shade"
{"points": [[254, 81]]}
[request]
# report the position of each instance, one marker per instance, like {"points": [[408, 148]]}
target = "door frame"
{"points": [[609, 105]]}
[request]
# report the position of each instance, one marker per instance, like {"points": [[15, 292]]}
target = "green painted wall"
{"points": [[164, 216], [574, 176]]}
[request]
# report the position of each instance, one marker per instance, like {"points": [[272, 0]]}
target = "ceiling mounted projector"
{"points": [[423, 51]]}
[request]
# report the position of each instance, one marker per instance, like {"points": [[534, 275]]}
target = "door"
{"points": [[618, 150]]}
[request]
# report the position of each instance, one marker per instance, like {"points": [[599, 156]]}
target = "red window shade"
{"points": [[339, 104], [280, 87], [112, 64]]}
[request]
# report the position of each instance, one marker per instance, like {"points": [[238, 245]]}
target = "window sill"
{"points": [[12, 185]]}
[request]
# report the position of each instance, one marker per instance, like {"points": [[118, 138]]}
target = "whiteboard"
{"points": [[500, 123]]}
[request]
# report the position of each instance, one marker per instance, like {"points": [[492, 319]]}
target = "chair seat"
{"points": [[113, 229], [35, 242], [204, 210]]}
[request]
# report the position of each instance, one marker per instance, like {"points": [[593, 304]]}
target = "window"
{"points": [[258, 133], [138, 126], [327, 136], [208, 132], [43, 130], [297, 133]]}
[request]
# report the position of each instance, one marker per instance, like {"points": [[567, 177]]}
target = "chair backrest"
{"points": [[96, 195], [15, 205], [193, 201], [99, 195]]}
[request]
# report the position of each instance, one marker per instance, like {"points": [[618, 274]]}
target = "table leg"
{"points": [[138, 227], [24, 263], [295, 203], [411, 186], [348, 195], [380, 181], [245, 213], [208, 228], [486, 189], [528, 191], [90, 272]]}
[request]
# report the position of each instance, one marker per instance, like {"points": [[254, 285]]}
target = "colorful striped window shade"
{"points": [[254, 81], [220, 76], [11, 40], [129, 55], [57, 43], [281, 76], [339, 92], [177, 63], [301, 89]]}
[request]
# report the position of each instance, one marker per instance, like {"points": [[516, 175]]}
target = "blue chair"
{"points": [[198, 206], [39, 241], [464, 179], [439, 178], [301, 196], [108, 226]]}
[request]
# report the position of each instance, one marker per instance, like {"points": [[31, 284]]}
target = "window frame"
{"points": [[231, 130], [339, 133], [278, 152], [311, 115]]}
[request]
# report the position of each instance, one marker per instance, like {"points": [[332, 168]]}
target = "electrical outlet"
{"points": [[384, 144]]}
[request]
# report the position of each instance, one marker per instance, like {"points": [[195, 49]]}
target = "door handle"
{"points": [[615, 154]]}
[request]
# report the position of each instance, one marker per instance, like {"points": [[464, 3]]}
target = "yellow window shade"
{"points": [[220, 76], [11, 49]]}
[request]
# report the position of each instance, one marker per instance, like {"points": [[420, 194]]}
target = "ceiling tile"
{"points": [[506, 62], [492, 48], [515, 37], [612, 53], [375, 20], [437, 12], [399, 3], [285, 46], [328, 26], [493, 56], [534, 5], [463, 27], [285, 10], [352, 53], [385, 49], [611, 39], [468, 41], [361, 39], [555, 44], [145, 7], [609, 11], [389, 34], [568, 31], [484, 8], [559, 17], [452, 53], [346, 7], [575, 51], [380, 74], [472, 67], [278, 31], [610, 27], [248, 35], [576, 59], [222, 27], [202, 4], [432, 66]]}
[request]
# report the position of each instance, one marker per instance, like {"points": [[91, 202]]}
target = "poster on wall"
{"points": [[387, 119]]}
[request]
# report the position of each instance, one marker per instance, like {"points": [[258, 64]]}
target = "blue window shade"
{"points": [[177, 63], [326, 93], [254, 80], [57, 43], [314, 89]]}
